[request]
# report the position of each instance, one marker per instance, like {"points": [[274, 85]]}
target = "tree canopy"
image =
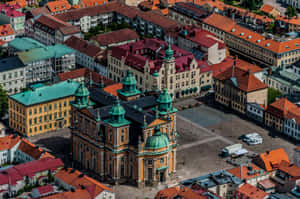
{"points": [[252, 4], [3, 102], [272, 94], [291, 11]]}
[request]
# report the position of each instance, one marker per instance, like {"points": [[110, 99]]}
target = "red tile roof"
{"points": [[220, 21], [58, 6], [45, 189], [175, 192], [281, 107], [267, 184], [245, 80], [30, 149], [85, 72], [291, 169], [248, 171], [271, 159], [250, 192], [21, 3], [69, 30], [116, 37], [266, 8], [77, 194], [41, 10], [51, 22], [212, 3], [76, 179], [11, 11], [82, 46], [289, 20]]}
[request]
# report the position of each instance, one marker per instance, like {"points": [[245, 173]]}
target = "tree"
{"points": [[252, 4], [3, 102], [291, 11], [273, 94], [271, 28]]}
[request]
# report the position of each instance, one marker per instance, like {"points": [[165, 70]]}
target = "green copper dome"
{"points": [[155, 74], [129, 79], [82, 91], [165, 97], [169, 52], [117, 109], [158, 140], [129, 85]]}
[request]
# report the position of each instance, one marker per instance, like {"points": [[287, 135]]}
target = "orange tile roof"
{"points": [[272, 159], [21, 3], [57, 6], [294, 20], [291, 169], [245, 170], [173, 192], [112, 89], [72, 177], [294, 114], [297, 148], [228, 25], [91, 3], [211, 3], [6, 30], [246, 81], [8, 142], [267, 184], [251, 192], [281, 107], [267, 8], [30, 149], [219, 21]]}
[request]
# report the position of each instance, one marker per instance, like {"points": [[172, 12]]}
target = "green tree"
{"points": [[272, 94], [271, 28], [3, 102], [291, 11]]}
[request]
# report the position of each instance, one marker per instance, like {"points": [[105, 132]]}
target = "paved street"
{"points": [[203, 132]]}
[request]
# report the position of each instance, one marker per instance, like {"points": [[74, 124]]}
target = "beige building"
{"points": [[252, 45], [235, 88], [156, 66]]}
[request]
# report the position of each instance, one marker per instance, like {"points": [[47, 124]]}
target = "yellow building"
{"points": [[130, 141], [42, 108]]}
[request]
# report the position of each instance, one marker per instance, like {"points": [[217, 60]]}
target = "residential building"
{"points": [[235, 88], [12, 75], [42, 63], [187, 13], [15, 178], [73, 179], [252, 45], [18, 150], [86, 54], [154, 5], [115, 38], [21, 3], [256, 112], [251, 192], [286, 80], [11, 15], [6, 33], [276, 113], [291, 126], [50, 30], [267, 185], [203, 44], [178, 192], [156, 65], [286, 177], [42, 191], [250, 174], [133, 140], [42, 109], [3, 129], [270, 160], [146, 23], [221, 183], [287, 24], [297, 156], [88, 76], [56, 7], [269, 10]]}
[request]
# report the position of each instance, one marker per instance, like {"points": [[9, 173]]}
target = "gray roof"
{"points": [[10, 63], [213, 179], [279, 196]]}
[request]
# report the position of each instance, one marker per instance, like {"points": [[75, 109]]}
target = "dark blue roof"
{"points": [[10, 63]]}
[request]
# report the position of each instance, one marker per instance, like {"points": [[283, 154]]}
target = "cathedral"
{"points": [[127, 138]]}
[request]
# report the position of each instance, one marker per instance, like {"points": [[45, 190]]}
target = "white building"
{"points": [[291, 126], [256, 111], [12, 75]]}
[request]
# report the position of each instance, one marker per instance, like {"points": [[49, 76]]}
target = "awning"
{"points": [[161, 168], [205, 88]]}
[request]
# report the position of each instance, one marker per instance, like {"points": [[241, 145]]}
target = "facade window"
{"points": [[161, 161], [150, 162]]}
